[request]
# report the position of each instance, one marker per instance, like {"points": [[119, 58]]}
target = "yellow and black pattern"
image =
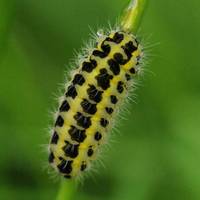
{"points": [[91, 100]]}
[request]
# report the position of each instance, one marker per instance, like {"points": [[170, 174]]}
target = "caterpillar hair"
{"points": [[94, 95]]}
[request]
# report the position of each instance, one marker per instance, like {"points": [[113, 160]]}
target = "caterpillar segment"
{"points": [[91, 100]]}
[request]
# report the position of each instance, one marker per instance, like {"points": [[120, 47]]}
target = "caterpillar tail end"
{"points": [[132, 16]]}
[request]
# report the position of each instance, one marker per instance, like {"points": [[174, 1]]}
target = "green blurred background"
{"points": [[156, 156]]}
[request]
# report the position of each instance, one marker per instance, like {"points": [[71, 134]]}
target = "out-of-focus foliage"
{"points": [[156, 156]]}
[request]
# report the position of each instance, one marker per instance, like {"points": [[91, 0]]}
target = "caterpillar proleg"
{"points": [[94, 94]]}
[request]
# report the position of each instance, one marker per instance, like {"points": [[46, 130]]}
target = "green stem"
{"points": [[67, 190], [132, 15]]}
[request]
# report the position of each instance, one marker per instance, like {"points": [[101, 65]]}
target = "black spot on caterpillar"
{"points": [[109, 110], [120, 88], [78, 79], [59, 121], [77, 134], [88, 107], [65, 166], [114, 66], [97, 136], [90, 152], [65, 106], [113, 99], [71, 92], [82, 121], [71, 150], [54, 138], [103, 79], [51, 157], [89, 66], [94, 94], [104, 122]]}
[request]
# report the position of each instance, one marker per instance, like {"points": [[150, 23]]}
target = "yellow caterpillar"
{"points": [[92, 98]]}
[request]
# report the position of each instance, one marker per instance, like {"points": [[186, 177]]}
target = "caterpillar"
{"points": [[92, 98]]}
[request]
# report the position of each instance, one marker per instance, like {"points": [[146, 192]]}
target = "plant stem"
{"points": [[67, 190], [132, 15]]}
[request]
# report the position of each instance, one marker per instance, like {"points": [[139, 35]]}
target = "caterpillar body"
{"points": [[93, 96]]}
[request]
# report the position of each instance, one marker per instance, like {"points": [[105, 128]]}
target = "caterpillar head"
{"points": [[124, 49]]}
